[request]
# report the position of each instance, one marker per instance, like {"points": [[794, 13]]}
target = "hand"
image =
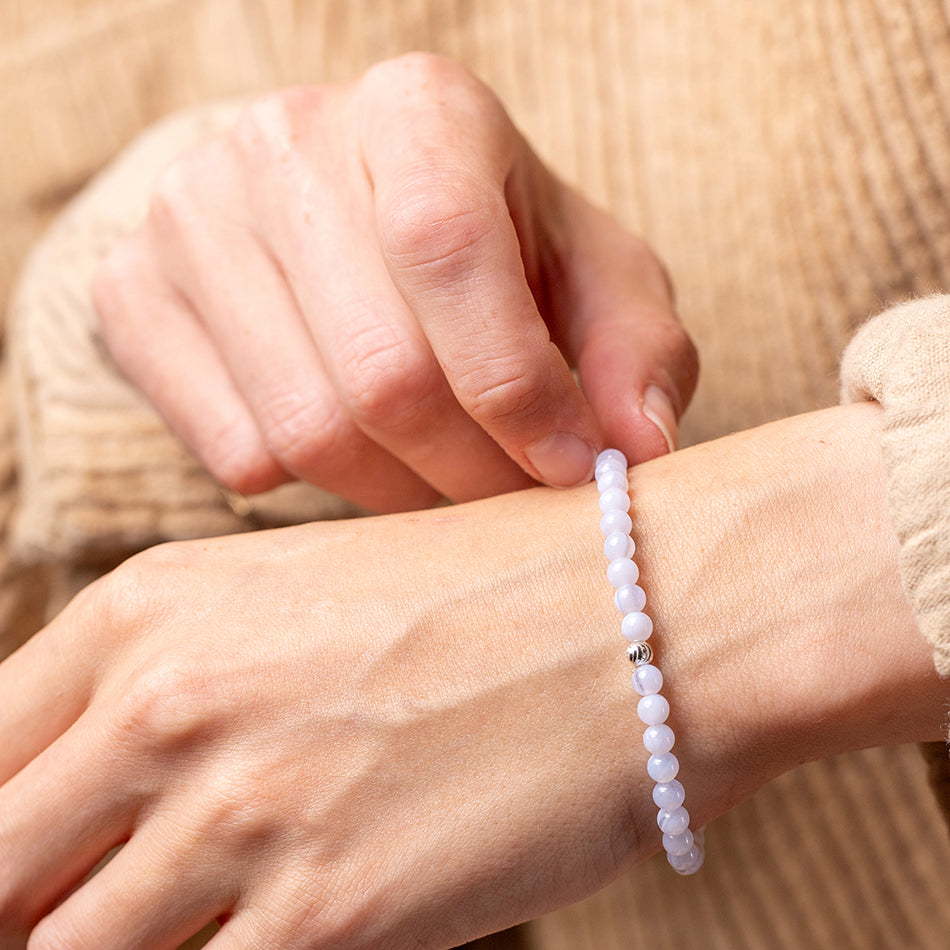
{"points": [[326, 748], [378, 288]]}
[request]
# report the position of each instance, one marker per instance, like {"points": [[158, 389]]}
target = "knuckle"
{"points": [[417, 68], [169, 705], [134, 595], [173, 201], [422, 86], [494, 393], [438, 226], [180, 198], [387, 382], [297, 428], [238, 808], [270, 125]]}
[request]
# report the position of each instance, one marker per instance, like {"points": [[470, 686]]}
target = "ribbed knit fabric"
{"points": [[791, 163], [901, 359], [101, 476]]}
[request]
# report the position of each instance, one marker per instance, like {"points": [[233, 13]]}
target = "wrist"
{"points": [[784, 634]]}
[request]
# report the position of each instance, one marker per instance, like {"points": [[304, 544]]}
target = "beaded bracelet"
{"points": [[684, 850]]}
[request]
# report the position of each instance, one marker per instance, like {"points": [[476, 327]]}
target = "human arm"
{"points": [[415, 729], [379, 288]]}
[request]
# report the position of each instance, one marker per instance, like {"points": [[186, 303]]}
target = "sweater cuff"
{"points": [[101, 476], [901, 359]]}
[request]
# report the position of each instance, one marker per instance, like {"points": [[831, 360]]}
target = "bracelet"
{"points": [[684, 850]]}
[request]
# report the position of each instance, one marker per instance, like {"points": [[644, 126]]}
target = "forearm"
{"points": [[782, 627]]}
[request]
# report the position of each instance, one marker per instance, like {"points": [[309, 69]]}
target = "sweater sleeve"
{"points": [[101, 476], [901, 359]]}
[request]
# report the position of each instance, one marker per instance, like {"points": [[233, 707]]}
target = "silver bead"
{"points": [[640, 652]]}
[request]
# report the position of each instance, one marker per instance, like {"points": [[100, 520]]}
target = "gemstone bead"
{"points": [[663, 766], [673, 822], [615, 521], [647, 679], [622, 572], [614, 499], [688, 863], [630, 598], [611, 455], [669, 794], [636, 626], [653, 710], [658, 738], [618, 544], [678, 844], [612, 478]]}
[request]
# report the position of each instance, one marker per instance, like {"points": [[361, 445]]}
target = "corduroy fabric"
{"points": [[791, 163]]}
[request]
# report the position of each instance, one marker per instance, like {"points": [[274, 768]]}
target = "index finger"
{"points": [[451, 247]]}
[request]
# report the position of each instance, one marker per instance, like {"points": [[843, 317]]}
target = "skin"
{"points": [[411, 730], [377, 287]]}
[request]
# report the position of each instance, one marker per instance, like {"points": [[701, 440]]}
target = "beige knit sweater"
{"points": [[902, 360], [790, 162]]}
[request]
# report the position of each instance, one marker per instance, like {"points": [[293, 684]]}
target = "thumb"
{"points": [[637, 364]]}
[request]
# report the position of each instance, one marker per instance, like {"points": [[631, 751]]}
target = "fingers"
{"points": [[149, 895], [359, 287], [370, 343], [56, 823], [46, 686], [637, 365], [155, 336], [269, 370], [389, 383], [452, 251]]}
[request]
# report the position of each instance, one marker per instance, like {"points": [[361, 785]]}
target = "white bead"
{"points": [[615, 521], [612, 478], [663, 766], [647, 680], [622, 572], [658, 738], [601, 473], [601, 468], [614, 500], [611, 455], [630, 598], [678, 844], [673, 822], [636, 626], [688, 863], [669, 794], [653, 710], [618, 544]]}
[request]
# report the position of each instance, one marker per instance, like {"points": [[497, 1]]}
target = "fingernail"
{"points": [[562, 459], [656, 406]]}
